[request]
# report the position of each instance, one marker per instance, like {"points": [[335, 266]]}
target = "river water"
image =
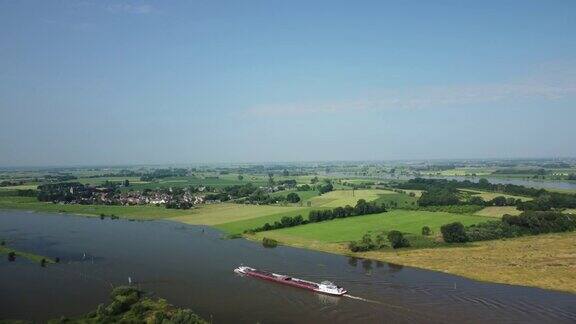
{"points": [[191, 266], [532, 183]]}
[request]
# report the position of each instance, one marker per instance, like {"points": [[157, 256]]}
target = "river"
{"points": [[191, 266]]}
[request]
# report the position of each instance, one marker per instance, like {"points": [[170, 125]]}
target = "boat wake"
{"points": [[362, 299], [373, 301]]}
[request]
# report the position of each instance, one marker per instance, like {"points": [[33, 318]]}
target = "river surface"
{"points": [[532, 183], [191, 266]]}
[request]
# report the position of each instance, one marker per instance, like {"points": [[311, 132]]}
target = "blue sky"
{"points": [[115, 82]]}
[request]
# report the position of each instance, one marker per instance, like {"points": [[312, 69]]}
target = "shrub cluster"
{"points": [[362, 208], [426, 231], [128, 305], [456, 209], [527, 223], [269, 243], [445, 192], [454, 233], [285, 221], [395, 238]]}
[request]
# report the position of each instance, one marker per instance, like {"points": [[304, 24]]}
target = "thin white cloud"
{"points": [[550, 85]]}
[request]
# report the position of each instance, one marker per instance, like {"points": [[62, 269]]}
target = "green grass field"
{"points": [[19, 187], [341, 198], [304, 195], [491, 195], [226, 213], [498, 212], [352, 228], [238, 227], [397, 200]]}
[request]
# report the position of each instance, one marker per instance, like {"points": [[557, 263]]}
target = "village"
{"points": [[170, 197]]}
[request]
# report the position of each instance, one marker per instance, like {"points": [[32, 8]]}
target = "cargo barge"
{"points": [[325, 287]]}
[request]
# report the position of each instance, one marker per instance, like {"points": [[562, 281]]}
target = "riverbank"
{"points": [[5, 250], [543, 261], [129, 305], [546, 261]]}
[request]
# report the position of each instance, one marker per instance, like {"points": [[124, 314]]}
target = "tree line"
{"points": [[527, 223], [314, 216], [445, 192]]}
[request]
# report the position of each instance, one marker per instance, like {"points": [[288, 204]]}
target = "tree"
{"points": [[454, 233], [285, 173], [476, 200], [381, 240], [304, 187], [240, 177], [314, 180], [271, 179], [397, 240], [499, 201], [126, 183], [293, 197], [426, 231]]}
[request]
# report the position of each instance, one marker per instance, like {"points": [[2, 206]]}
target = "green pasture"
{"points": [[304, 195], [491, 195], [341, 198], [353, 228], [236, 227], [497, 211], [227, 212]]}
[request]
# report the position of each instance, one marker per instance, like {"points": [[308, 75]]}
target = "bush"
{"points": [[538, 222], [397, 240], [365, 244], [456, 209], [490, 231], [269, 243], [454, 233], [293, 197], [527, 223], [426, 231]]}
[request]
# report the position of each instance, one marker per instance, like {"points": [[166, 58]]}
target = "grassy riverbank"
{"points": [[353, 228], [5, 250], [543, 261], [546, 261], [129, 305]]}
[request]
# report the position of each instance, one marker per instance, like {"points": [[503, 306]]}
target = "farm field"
{"points": [[341, 198], [304, 195], [19, 187], [239, 226], [397, 200], [498, 212], [461, 172], [544, 261], [491, 195], [227, 212], [352, 228]]}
